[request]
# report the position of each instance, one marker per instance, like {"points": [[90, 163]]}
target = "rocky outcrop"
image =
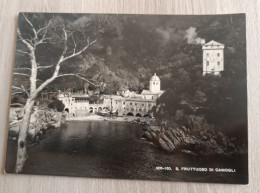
{"points": [[190, 133], [40, 121], [180, 138]]}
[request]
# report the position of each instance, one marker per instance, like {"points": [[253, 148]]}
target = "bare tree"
{"points": [[31, 42]]}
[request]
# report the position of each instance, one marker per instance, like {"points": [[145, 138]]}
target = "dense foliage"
{"points": [[57, 105], [135, 47]]}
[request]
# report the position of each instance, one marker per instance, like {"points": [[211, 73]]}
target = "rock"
{"points": [[64, 117], [195, 135], [222, 141], [16, 113], [155, 128], [189, 152], [164, 145], [184, 128], [170, 135], [189, 140], [168, 142], [204, 138], [154, 136], [213, 144], [148, 136]]}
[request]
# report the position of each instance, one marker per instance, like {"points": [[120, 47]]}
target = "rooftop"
{"points": [[155, 78], [213, 45], [148, 92]]}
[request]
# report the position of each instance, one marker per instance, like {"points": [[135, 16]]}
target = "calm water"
{"points": [[114, 150]]}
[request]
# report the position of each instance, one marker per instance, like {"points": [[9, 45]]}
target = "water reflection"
{"points": [[110, 150]]}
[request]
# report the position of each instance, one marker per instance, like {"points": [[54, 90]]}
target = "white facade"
{"points": [[155, 83], [154, 91], [213, 58]]}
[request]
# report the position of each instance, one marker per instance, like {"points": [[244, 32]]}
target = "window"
{"points": [[153, 83], [123, 102], [207, 54], [218, 62], [207, 63], [142, 104], [140, 109], [157, 83], [130, 103], [218, 54]]}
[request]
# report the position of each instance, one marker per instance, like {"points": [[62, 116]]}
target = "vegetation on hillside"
{"points": [[135, 47]]}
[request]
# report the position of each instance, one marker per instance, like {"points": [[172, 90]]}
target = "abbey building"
{"points": [[133, 104]]}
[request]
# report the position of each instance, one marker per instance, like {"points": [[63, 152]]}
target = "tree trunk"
{"points": [[21, 146]]}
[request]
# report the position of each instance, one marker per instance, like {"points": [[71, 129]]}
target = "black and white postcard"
{"points": [[147, 97]]}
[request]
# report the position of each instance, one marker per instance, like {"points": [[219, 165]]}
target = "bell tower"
{"points": [[155, 83]]}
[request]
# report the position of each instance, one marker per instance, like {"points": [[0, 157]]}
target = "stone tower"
{"points": [[155, 83], [213, 58]]}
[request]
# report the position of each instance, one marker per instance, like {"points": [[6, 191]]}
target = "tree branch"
{"points": [[14, 93], [79, 52], [22, 69], [30, 23], [43, 67], [58, 65], [22, 89], [17, 104], [44, 28], [21, 74], [22, 52], [75, 45], [26, 42], [65, 42]]}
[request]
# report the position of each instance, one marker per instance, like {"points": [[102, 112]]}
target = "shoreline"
{"points": [[101, 118]]}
